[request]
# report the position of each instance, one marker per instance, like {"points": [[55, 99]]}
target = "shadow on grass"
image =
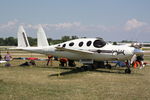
{"points": [[110, 71], [80, 70], [56, 67], [72, 71]]}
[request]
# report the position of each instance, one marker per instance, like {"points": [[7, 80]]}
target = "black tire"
{"points": [[84, 68], [108, 66], [128, 71]]}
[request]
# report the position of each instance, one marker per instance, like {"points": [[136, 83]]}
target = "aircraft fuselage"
{"points": [[83, 49]]}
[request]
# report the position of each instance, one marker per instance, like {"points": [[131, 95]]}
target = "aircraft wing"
{"points": [[74, 50]]}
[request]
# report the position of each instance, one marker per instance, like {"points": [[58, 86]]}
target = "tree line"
{"points": [[12, 41]]}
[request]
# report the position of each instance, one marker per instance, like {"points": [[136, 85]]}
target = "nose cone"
{"points": [[138, 52]]}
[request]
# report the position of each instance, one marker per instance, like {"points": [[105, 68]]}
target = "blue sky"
{"points": [[111, 19]]}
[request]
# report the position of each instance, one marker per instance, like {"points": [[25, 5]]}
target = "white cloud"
{"points": [[9, 28], [127, 31], [9, 24], [133, 24], [35, 27], [66, 25], [69, 27], [77, 26]]}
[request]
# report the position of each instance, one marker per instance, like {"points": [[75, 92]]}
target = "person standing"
{"points": [[7, 58], [49, 60], [140, 60], [1, 57]]}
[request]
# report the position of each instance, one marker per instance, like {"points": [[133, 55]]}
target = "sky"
{"points": [[113, 20]]}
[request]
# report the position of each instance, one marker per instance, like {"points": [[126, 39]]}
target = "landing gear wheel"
{"points": [[108, 66], [84, 68], [128, 71]]}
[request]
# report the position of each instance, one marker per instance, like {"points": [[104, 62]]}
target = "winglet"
{"points": [[22, 38], [41, 37]]}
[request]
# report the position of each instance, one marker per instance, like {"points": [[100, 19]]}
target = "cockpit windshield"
{"points": [[99, 43]]}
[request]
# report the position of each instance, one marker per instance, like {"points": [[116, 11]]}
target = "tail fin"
{"points": [[41, 37], [22, 38]]}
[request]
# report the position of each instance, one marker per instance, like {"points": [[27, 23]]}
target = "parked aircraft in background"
{"points": [[89, 51], [136, 44]]}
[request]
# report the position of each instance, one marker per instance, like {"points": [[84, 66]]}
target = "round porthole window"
{"points": [[80, 44], [71, 44], [64, 45], [89, 43]]}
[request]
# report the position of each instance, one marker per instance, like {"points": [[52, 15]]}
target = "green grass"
{"points": [[145, 48], [43, 82], [147, 58]]}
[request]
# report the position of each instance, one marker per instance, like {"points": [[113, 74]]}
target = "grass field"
{"points": [[42, 82]]}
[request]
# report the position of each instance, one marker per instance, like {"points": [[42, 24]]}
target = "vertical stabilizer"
{"points": [[22, 38], [41, 37]]}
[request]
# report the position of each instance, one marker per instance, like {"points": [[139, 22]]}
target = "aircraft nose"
{"points": [[138, 52]]}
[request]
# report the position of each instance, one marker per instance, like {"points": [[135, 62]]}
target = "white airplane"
{"points": [[86, 50]]}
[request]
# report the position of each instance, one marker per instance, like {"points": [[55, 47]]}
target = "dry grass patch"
{"points": [[41, 82], [38, 83]]}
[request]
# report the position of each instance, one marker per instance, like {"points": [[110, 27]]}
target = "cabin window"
{"points": [[64, 45], [99, 43], [80, 44], [89, 43], [71, 44]]}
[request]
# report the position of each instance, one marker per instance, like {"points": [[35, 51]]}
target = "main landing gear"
{"points": [[108, 65], [128, 70], [95, 65], [102, 64]]}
